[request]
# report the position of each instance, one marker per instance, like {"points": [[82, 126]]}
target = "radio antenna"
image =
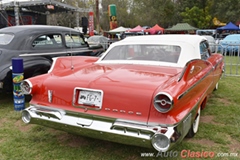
{"points": [[71, 47]]}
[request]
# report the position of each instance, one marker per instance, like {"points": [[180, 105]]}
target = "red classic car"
{"points": [[145, 90]]}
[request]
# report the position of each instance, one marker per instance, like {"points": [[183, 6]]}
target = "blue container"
{"points": [[17, 76]]}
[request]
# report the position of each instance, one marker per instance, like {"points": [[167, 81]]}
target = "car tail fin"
{"points": [[189, 71], [193, 68]]}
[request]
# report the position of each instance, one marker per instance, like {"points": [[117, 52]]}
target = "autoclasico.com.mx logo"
{"points": [[190, 154]]}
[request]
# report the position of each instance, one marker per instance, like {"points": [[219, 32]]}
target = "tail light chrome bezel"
{"points": [[167, 100], [26, 87]]}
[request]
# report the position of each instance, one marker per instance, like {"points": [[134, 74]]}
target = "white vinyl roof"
{"points": [[190, 46]]}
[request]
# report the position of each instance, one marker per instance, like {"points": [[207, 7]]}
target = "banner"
{"points": [[24, 20], [91, 24], [112, 12]]}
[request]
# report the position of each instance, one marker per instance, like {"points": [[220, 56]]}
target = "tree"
{"points": [[197, 17], [226, 10], [153, 12], [165, 13]]}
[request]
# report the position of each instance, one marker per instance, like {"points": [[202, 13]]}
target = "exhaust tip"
{"points": [[161, 142], [26, 116]]}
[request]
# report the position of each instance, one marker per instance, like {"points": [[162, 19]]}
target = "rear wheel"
{"points": [[194, 128], [37, 73]]}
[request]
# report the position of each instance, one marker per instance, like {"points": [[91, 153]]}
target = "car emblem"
{"points": [[123, 111]]}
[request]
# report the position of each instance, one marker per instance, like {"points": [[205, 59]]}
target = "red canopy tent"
{"points": [[155, 29], [136, 29]]}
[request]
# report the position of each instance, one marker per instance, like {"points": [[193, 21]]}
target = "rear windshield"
{"points": [[163, 53], [5, 38]]}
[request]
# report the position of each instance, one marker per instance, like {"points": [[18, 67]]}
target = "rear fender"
{"points": [[197, 78], [194, 84]]}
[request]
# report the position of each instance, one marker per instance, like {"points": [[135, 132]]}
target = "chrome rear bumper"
{"points": [[115, 130]]}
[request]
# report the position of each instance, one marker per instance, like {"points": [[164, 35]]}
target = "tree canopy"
{"points": [[130, 13]]}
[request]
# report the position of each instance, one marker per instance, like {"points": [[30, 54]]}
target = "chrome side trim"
{"points": [[52, 53], [215, 66]]}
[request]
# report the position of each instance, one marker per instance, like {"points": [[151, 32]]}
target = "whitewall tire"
{"points": [[194, 128], [216, 87]]}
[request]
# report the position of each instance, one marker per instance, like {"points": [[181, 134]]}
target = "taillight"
{"points": [[163, 102], [26, 87]]}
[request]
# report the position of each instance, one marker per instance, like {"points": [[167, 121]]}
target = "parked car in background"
{"points": [[209, 32], [212, 43], [37, 45], [230, 45], [127, 34], [144, 90], [98, 41]]}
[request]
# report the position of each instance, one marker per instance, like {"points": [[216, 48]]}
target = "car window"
{"points": [[204, 50], [5, 38], [163, 53], [48, 41], [74, 40]]}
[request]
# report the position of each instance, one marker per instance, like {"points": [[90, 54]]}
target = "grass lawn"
{"points": [[219, 134]]}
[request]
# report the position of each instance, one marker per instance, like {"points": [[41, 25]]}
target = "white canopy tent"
{"points": [[118, 30]]}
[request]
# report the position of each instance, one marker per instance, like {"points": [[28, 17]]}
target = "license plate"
{"points": [[90, 98]]}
